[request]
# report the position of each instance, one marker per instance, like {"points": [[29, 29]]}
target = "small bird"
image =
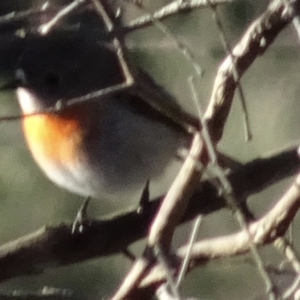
{"points": [[102, 147]]}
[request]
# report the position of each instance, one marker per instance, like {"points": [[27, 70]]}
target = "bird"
{"points": [[104, 147]]}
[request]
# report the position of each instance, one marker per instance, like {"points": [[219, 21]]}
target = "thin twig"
{"points": [[60, 16], [183, 49], [225, 186], [185, 263], [284, 247], [169, 10], [15, 17], [63, 104], [118, 43]]}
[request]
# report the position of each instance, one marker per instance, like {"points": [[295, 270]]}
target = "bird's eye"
{"points": [[52, 79]]}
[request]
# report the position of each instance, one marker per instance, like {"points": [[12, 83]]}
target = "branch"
{"points": [[169, 10], [265, 230], [259, 36], [55, 245], [17, 17], [52, 246], [46, 293], [175, 202], [57, 19], [168, 216]]}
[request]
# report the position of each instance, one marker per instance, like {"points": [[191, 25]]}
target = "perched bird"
{"points": [[103, 147]]}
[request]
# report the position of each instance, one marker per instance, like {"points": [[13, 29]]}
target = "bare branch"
{"points": [[169, 10], [168, 216], [55, 245], [259, 36], [176, 200], [56, 20], [46, 293], [263, 231], [23, 16]]}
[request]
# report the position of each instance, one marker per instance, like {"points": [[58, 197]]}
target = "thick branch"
{"points": [[264, 231], [176, 201], [55, 245], [259, 36], [168, 216]]}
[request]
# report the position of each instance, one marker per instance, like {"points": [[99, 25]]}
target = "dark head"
{"points": [[64, 65]]}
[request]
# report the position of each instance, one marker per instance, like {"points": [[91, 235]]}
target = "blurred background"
{"points": [[28, 200]]}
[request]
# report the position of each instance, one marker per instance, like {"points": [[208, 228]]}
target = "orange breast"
{"points": [[54, 136]]}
